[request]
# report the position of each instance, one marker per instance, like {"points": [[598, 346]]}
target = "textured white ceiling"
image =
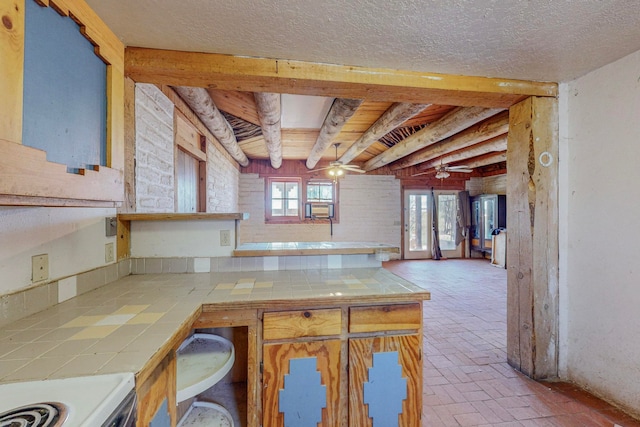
{"points": [[551, 40]]}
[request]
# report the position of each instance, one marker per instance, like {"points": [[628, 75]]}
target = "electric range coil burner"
{"points": [[47, 414]]}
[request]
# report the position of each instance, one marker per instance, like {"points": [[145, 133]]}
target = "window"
{"points": [[320, 191], [285, 197]]}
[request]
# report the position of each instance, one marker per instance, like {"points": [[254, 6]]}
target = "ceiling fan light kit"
{"points": [[336, 169]]}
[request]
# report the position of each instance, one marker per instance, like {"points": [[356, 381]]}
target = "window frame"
{"points": [[303, 183], [269, 218]]}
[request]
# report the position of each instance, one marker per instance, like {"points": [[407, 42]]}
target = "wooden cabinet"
{"points": [[385, 375], [157, 395], [343, 366], [488, 212], [301, 381]]}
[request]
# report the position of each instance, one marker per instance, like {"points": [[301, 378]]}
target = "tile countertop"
{"points": [[119, 327]]}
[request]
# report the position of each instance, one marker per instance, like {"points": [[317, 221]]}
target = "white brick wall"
{"points": [[370, 211], [154, 150], [222, 182], [155, 187]]}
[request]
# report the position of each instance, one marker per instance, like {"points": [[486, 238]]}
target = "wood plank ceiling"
{"points": [[380, 137]]}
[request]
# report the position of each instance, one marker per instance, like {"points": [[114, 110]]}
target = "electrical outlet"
{"points": [[225, 237], [109, 255], [39, 267]]}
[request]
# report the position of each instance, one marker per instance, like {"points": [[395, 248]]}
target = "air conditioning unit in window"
{"points": [[319, 210]]}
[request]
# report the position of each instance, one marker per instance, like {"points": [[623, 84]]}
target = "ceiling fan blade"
{"points": [[355, 170], [319, 169], [351, 167], [425, 173], [460, 168]]}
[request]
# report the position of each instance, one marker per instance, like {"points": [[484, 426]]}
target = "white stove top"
{"points": [[90, 400]]}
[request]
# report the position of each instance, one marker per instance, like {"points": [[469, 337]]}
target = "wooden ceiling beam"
{"points": [[341, 111], [497, 144], [489, 128], [268, 105], [201, 103], [487, 159], [230, 72], [395, 115], [453, 122]]}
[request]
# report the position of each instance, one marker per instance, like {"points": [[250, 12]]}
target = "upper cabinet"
{"points": [[62, 106]]}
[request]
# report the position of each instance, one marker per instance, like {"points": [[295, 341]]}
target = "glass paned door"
{"points": [[417, 224], [447, 210]]}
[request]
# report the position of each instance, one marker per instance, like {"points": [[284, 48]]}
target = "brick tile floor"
{"points": [[467, 381]]}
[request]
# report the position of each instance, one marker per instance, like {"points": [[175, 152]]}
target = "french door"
{"points": [[418, 224]]}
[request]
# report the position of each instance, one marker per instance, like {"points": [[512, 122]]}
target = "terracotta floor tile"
{"points": [[467, 380]]}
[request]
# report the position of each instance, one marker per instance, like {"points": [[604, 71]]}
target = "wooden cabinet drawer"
{"points": [[301, 323], [392, 317]]}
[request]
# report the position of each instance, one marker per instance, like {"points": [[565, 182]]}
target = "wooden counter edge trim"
{"points": [[317, 303], [300, 252], [182, 216], [172, 344]]}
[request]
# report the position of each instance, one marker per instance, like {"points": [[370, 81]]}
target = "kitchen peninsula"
{"points": [[352, 321]]}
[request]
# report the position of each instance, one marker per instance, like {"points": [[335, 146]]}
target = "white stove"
{"points": [[69, 402]]}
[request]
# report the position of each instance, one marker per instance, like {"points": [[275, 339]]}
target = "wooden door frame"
{"points": [[532, 207]]}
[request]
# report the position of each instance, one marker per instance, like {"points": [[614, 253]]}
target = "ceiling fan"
{"points": [[443, 170], [337, 168]]}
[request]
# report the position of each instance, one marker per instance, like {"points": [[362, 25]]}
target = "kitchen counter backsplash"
{"points": [[25, 302]]}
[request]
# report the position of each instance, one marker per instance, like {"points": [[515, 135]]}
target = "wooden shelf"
{"points": [[206, 414], [203, 360], [171, 216]]}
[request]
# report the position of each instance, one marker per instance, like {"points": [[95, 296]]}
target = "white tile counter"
{"points": [[119, 327]]}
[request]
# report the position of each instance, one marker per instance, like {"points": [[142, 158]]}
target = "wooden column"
{"points": [[532, 237]]}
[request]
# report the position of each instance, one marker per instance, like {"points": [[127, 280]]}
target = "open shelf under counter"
{"points": [[203, 360]]}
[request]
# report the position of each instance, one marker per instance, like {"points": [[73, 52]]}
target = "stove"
{"points": [[49, 414], [70, 402]]}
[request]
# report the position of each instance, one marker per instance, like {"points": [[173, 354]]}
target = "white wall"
{"points": [[74, 239], [152, 239], [600, 232], [370, 211]]}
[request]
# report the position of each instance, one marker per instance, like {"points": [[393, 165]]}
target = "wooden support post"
{"points": [[532, 238]]}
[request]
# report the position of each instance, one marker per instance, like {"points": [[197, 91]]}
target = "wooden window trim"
{"points": [[302, 182], [269, 219], [336, 200]]}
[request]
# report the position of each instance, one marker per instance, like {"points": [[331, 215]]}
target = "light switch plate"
{"points": [[109, 255], [39, 267]]}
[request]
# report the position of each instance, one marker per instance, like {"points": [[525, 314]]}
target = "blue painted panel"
{"points": [[161, 418], [385, 390], [65, 90], [303, 397]]}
